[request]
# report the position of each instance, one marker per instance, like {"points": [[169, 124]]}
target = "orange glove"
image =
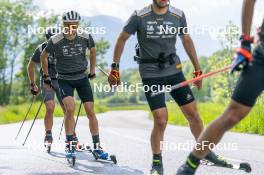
{"points": [[199, 83], [114, 76]]}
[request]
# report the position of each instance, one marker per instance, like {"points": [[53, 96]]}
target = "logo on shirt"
{"points": [[150, 28]]}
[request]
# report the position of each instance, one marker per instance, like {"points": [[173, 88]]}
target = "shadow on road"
{"points": [[102, 167]]}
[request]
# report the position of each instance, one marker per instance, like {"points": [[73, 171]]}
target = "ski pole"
{"points": [[61, 128], [104, 72], [29, 109], [185, 83], [34, 119], [77, 116]]}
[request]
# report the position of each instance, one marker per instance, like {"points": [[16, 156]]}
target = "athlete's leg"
{"points": [[69, 105], [249, 87], [93, 122], [233, 115], [86, 95], [160, 117], [191, 113], [48, 94], [48, 120], [185, 99]]}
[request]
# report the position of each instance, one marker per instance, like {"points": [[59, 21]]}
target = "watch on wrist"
{"points": [[115, 66]]}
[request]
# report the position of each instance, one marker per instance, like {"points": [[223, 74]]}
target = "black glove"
{"points": [[47, 80], [91, 76], [34, 89], [243, 54]]}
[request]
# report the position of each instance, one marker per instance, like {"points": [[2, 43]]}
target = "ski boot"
{"points": [[100, 154], [185, 170], [157, 168], [70, 152], [215, 159], [48, 141]]}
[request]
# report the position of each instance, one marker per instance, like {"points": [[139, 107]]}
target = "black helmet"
{"points": [[50, 32], [71, 16]]}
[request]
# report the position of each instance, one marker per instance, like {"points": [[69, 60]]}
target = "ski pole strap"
{"points": [[185, 83]]}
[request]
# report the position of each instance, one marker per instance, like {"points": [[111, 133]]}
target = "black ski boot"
{"points": [[157, 168], [217, 160]]}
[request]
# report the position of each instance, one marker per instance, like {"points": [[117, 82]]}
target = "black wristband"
{"points": [[45, 76], [115, 66]]}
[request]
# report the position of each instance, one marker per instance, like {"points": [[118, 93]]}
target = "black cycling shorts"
{"points": [[182, 96], [251, 82], [82, 86]]}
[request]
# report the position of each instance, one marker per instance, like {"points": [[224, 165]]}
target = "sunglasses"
{"points": [[73, 26]]}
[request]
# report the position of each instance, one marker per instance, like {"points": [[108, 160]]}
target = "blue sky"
{"points": [[202, 12]]}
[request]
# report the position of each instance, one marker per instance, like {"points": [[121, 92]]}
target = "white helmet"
{"points": [[71, 16]]}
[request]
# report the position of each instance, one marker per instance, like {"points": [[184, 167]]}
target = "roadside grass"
{"points": [[14, 113], [253, 123]]}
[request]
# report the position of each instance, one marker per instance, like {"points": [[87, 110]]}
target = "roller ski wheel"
{"points": [[71, 158], [246, 167], [82, 148], [99, 154], [113, 159]]}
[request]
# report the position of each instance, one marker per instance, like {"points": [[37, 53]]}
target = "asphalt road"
{"points": [[126, 134]]}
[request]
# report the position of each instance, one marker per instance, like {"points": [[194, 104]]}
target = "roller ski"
{"points": [[236, 166], [70, 152], [79, 147], [47, 142], [100, 154], [82, 147], [157, 168], [214, 160]]}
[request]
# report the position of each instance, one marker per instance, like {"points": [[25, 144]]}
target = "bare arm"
{"points": [[44, 62], [119, 47], [190, 50], [31, 71], [92, 60], [247, 16]]}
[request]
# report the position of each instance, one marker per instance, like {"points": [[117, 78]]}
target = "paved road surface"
{"points": [[124, 133]]}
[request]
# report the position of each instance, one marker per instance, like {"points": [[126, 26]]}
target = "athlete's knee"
{"points": [[89, 108], [192, 115], [50, 107], [69, 106], [161, 120], [234, 114]]}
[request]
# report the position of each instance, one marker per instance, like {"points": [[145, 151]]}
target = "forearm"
{"points": [[118, 51], [44, 62], [92, 58], [191, 52], [31, 72], [120, 44], [247, 16]]}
